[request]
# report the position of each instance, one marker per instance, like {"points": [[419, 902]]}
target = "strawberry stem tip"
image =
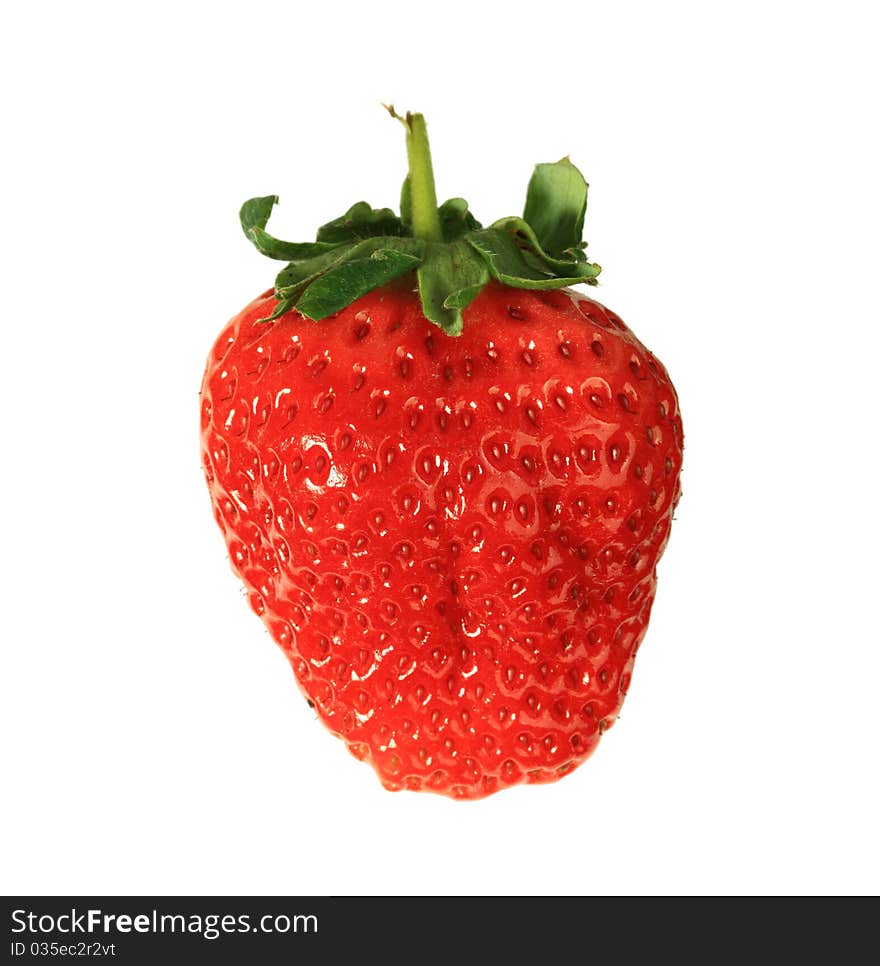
{"points": [[418, 191], [452, 255]]}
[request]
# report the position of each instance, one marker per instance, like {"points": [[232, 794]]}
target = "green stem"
{"points": [[425, 219]]}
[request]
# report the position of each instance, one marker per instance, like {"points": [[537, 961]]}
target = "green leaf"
{"points": [[292, 279], [256, 212], [342, 285], [526, 238], [450, 278], [522, 268], [283, 306], [254, 216], [556, 203], [359, 222], [455, 219], [286, 251]]}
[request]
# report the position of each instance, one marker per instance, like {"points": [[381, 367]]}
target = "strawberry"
{"points": [[445, 479]]}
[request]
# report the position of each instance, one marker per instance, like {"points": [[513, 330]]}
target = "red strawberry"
{"points": [[447, 498]]}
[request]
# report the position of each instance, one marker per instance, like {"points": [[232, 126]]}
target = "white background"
{"points": [[154, 741]]}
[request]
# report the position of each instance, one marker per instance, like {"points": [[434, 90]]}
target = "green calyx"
{"points": [[452, 255]]}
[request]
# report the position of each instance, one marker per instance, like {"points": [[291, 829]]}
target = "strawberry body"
{"points": [[453, 539]]}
